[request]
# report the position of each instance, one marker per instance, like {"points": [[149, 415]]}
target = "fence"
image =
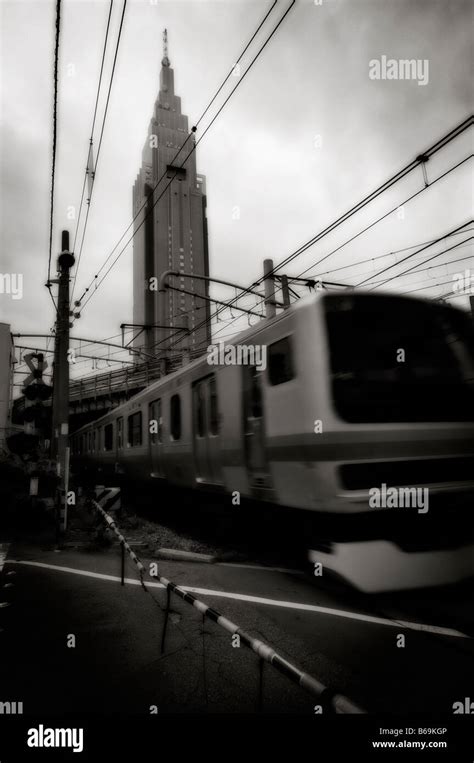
{"points": [[334, 702], [125, 380]]}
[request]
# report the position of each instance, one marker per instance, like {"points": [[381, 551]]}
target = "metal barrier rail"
{"points": [[335, 702], [125, 546], [122, 379], [112, 381]]}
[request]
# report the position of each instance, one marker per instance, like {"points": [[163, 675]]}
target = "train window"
{"points": [[135, 429], [94, 440], [200, 410], [89, 441], [156, 431], [368, 336], [256, 407], [120, 432], [108, 437], [280, 362], [213, 410], [175, 417], [99, 439]]}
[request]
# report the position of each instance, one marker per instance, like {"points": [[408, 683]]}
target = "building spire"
{"points": [[165, 60]]}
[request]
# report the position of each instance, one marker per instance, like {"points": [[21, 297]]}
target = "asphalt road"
{"points": [[349, 642]]}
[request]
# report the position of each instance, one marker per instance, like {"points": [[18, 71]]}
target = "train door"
{"points": [[206, 431], [254, 427], [155, 421]]}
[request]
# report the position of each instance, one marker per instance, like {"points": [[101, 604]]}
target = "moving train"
{"points": [[314, 409]]}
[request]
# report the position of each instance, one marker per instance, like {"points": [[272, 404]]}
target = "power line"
{"points": [[238, 60], [100, 139], [189, 154], [387, 214], [89, 153], [411, 271], [409, 256], [436, 147], [55, 124], [441, 264], [433, 286], [451, 262], [352, 238], [421, 159], [408, 270], [114, 336], [79, 355], [372, 259]]}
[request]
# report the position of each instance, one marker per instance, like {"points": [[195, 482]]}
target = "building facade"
{"points": [[169, 199]]}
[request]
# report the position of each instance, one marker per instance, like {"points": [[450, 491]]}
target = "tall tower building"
{"points": [[170, 234]]}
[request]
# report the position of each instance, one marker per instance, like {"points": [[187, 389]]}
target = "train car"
{"points": [[353, 392]]}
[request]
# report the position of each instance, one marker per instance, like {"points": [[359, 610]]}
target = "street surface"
{"points": [[74, 640]]}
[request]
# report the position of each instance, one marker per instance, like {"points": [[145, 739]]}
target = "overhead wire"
{"points": [[101, 137], [90, 149], [375, 257], [414, 164], [356, 235], [409, 256]]}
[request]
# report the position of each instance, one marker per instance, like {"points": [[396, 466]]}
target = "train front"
{"points": [[397, 440]]}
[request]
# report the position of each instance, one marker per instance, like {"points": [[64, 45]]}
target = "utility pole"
{"points": [[60, 434], [269, 285], [285, 291]]}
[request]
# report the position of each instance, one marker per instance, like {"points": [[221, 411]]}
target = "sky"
{"points": [[306, 135]]}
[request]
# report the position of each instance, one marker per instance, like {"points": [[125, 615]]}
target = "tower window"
{"points": [[178, 172]]}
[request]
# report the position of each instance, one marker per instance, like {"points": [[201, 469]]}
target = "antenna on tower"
{"points": [[165, 61]]}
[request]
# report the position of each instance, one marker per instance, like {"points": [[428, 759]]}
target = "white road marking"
{"points": [[261, 600]]}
